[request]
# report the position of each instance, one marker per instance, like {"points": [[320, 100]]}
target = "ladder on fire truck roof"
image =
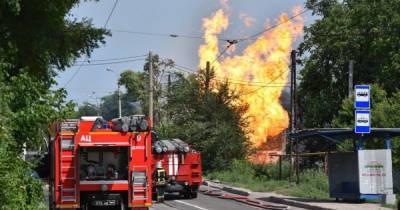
{"points": [[68, 183]]}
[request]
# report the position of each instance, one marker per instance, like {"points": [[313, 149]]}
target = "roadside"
{"points": [[312, 188], [313, 182], [313, 204]]}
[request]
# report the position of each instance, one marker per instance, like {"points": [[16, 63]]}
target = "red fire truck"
{"points": [[176, 168], [97, 163]]}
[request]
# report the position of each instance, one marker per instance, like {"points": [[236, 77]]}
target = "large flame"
{"points": [[259, 73]]}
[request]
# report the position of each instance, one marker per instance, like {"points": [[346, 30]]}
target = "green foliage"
{"points": [[205, 119], [264, 178], [86, 109], [109, 106], [19, 190], [188, 110], [137, 84], [386, 114], [36, 38], [359, 30]]}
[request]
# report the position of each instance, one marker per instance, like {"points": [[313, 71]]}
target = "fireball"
{"points": [[259, 72]]}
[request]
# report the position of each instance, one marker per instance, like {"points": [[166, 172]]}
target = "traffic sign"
{"points": [[362, 121], [362, 97]]}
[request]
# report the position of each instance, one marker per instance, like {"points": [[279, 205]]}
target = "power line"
{"points": [[111, 13], [254, 36], [112, 59], [170, 35], [115, 62], [87, 57], [249, 93], [240, 82], [74, 75], [273, 26], [222, 79]]}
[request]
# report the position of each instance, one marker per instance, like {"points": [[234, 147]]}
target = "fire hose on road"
{"points": [[243, 199]]}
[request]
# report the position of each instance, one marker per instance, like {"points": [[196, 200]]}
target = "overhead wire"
{"points": [[111, 13], [115, 62], [113, 59], [237, 82], [170, 35], [273, 80], [221, 79], [273, 26], [87, 57], [232, 42]]}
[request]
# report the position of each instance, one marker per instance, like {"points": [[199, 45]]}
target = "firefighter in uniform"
{"points": [[159, 177]]}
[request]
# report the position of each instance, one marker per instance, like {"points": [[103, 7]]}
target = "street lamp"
{"points": [[119, 93]]}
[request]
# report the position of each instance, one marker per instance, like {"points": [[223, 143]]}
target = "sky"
{"points": [[183, 17]]}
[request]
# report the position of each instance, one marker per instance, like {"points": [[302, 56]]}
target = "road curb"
{"points": [[298, 204], [226, 188]]}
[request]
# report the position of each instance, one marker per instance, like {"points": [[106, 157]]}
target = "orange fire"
{"points": [[259, 73]]}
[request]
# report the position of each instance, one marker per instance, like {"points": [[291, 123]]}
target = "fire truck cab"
{"points": [[97, 163]]}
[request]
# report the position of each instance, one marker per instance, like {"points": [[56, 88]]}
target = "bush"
{"points": [[271, 171], [264, 178], [18, 189]]}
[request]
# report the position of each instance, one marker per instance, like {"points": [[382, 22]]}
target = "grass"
{"points": [[313, 182]]}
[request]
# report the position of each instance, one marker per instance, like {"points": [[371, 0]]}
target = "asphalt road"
{"points": [[202, 202]]}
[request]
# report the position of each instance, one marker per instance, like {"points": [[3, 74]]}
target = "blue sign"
{"points": [[362, 121], [362, 97]]}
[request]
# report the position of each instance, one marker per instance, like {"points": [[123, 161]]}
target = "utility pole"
{"points": [[207, 79], [151, 88], [351, 71], [119, 101], [293, 92], [292, 108]]}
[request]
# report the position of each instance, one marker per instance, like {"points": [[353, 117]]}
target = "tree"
{"points": [[36, 39], [359, 30], [385, 113], [206, 119], [109, 106], [87, 109], [137, 84]]}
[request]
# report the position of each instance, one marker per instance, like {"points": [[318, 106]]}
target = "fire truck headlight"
{"points": [[165, 149], [158, 150], [104, 187], [186, 183]]}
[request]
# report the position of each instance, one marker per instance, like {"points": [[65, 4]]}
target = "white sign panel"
{"points": [[362, 97], [362, 121], [375, 171]]}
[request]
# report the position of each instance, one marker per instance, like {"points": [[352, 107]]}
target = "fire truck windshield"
{"points": [[103, 163]]}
